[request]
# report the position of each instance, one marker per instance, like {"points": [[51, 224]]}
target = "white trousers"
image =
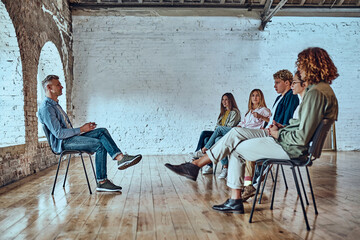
{"points": [[258, 145]]}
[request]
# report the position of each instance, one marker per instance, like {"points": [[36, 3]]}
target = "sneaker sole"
{"points": [[180, 174], [107, 190], [125, 165]]}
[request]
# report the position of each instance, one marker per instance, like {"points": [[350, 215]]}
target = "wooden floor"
{"points": [[157, 204]]}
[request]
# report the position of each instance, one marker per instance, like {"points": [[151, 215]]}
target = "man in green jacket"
{"points": [[319, 102]]}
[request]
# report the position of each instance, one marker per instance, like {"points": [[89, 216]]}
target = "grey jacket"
{"points": [[232, 120]]}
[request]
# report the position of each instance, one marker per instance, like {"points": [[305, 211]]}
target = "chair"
{"points": [[68, 152], [306, 161]]}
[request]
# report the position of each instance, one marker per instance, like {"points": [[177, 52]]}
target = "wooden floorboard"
{"points": [[158, 204]]}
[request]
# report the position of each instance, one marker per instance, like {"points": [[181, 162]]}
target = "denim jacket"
{"points": [[50, 115]]}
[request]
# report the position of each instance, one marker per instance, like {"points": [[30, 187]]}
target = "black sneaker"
{"points": [[187, 170], [231, 205], [108, 186], [128, 161]]}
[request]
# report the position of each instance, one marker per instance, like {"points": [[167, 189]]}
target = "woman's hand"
{"points": [[259, 116]]}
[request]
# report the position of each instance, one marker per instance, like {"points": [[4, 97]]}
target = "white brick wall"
{"points": [[12, 126], [156, 82]]}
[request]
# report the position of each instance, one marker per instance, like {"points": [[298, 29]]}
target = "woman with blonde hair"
{"points": [[255, 118]]}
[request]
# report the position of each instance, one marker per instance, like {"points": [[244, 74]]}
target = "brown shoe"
{"points": [[249, 191]]}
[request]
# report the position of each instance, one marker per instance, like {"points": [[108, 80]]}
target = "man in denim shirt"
{"points": [[63, 136]]}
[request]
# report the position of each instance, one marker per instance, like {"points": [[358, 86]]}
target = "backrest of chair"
{"points": [[319, 137], [47, 134]]}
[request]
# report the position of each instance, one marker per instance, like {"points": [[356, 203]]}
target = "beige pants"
{"points": [[258, 145]]}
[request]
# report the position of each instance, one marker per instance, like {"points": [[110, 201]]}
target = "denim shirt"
{"points": [[50, 115]]}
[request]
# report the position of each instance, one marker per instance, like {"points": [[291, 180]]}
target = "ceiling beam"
{"points": [[267, 15]]}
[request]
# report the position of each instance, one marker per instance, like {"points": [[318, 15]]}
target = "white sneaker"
{"points": [[196, 155], [223, 173], [207, 170]]}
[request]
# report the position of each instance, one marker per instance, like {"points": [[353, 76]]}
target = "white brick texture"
{"points": [[156, 82], [12, 125]]}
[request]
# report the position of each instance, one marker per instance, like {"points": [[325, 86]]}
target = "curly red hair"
{"points": [[317, 65]]}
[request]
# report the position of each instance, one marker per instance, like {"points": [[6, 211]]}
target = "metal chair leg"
{"points": [[272, 176], [87, 179], [67, 169], [301, 200], [311, 189], [274, 188], [262, 190], [302, 184], [92, 165], [283, 173], [214, 172], [57, 172], [256, 194]]}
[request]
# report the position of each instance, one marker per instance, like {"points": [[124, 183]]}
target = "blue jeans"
{"points": [[99, 141], [204, 137], [219, 132]]}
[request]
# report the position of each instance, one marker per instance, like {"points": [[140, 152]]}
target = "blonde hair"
{"points": [[262, 102], [284, 75], [317, 65]]}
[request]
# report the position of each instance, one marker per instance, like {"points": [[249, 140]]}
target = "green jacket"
{"points": [[319, 102]]}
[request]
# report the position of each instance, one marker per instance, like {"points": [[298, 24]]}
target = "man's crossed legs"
{"points": [[100, 141]]}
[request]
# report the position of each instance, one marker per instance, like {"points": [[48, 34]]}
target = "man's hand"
{"points": [[274, 130], [87, 127], [278, 124]]}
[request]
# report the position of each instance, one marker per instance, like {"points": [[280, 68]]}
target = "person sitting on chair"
{"points": [[319, 102], [85, 138]]}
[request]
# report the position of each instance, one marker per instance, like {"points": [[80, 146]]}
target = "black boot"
{"points": [[188, 170], [231, 205]]}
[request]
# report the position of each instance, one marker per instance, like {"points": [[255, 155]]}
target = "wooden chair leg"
{"points": [[67, 169], [57, 172], [87, 179], [301, 200]]}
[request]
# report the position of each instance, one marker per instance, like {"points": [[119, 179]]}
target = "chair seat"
{"points": [[291, 162], [74, 152]]}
